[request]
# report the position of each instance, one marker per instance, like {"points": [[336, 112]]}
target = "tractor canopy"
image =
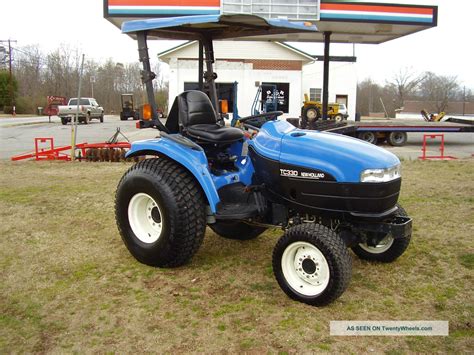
{"points": [[219, 27]]}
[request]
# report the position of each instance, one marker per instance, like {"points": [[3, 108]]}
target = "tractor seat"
{"points": [[192, 115]]}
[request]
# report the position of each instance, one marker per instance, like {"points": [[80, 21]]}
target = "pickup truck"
{"points": [[88, 109]]}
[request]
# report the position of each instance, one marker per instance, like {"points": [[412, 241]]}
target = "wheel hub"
{"points": [[307, 266], [145, 218]]}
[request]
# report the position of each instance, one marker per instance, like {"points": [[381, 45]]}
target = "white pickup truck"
{"points": [[88, 109]]}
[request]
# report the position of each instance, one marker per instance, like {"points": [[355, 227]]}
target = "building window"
{"points": [[281, 90], [315, 94]]}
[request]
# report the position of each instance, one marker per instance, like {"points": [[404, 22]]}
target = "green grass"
{"points": [[68, 284]]}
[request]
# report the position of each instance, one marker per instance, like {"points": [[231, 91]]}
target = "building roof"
{"points": [[235, 51]]}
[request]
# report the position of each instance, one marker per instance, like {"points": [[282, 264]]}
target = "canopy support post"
{"points": [[327, 41], [147, 78], [209, 75], [201, 67]]}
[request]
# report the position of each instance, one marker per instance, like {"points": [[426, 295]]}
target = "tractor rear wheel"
{"points": [[312, 264], [388, 249], [160, 213], [237, 230], [311, 113]]}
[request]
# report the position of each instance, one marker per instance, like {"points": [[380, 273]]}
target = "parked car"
{"points": [[88, 109]]}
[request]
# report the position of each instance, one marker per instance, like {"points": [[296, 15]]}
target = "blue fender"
{"points": [[193, 160]]}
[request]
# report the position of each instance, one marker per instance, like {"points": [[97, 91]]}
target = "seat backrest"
{"points": [[190, 108]]}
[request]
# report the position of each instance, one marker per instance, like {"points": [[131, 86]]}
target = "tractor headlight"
{"points": [[381, 175]]}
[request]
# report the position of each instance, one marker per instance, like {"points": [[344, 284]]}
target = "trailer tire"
{"points": [[387, 252], [397, 139], [368, 136], [311, 113], [312, 264], [237, 230], [160, 213]]}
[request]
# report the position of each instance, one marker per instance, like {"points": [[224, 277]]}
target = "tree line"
{"points": [[37, 75], [436, 91]]}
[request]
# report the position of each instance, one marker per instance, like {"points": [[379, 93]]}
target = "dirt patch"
{"points": [[69, 284]]}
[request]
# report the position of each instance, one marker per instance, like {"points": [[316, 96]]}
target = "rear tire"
{"points": [[63, 121], [388, 250], [237, 230], [101, 118], [311, 113], [160, 213], [312, 264], [369, 137], [397, 139]]}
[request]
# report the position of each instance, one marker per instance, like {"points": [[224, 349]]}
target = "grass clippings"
{"points": [[68, 284]]}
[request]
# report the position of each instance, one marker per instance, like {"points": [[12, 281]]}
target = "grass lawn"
{"points": [[68, 284]]}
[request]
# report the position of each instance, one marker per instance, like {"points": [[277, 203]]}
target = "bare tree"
{"points": [[439, 90], [403, 85]]}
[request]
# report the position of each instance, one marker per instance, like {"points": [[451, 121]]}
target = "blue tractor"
{"points": [[327, 192]]}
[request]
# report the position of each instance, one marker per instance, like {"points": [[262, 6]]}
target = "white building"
{"points": [[270, 64]]}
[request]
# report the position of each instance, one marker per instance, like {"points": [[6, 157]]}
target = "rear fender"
{"points": [[193, 160]]}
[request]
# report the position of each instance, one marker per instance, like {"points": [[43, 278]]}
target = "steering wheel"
{"points": [[273, 114]]}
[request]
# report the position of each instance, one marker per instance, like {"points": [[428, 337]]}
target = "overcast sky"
{"points": [[445, 50]]}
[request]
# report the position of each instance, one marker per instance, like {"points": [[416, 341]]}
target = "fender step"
{"points": [[236, 210]]}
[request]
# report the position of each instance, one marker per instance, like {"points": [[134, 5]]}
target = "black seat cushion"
{"points": [[192, 114], [214, 133]]}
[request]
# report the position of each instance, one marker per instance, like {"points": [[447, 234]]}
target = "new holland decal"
{"points": [[302, 174]]}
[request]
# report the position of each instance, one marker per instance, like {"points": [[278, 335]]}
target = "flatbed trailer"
{"points": [[392, 131]]}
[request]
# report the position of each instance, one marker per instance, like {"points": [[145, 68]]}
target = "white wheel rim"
{"points": [[311, 114], [305, 268], [382, 247], [145, 218]]}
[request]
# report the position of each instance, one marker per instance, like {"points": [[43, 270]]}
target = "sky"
{"points": [[446, 49]]}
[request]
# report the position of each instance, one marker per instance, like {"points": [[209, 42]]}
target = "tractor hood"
{"points": [[342, 157]]}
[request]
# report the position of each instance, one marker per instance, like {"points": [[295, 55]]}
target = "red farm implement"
{"points": [[45, 150]]}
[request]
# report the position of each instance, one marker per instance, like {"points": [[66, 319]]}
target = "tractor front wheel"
{"points": [[237, 230], [312, 264], [388, 249], [160, 213]]}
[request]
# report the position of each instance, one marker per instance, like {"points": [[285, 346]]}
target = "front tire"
{"points": [[160, 213], [388, 249], [237, 230], [338, 118], [312, 264]]}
